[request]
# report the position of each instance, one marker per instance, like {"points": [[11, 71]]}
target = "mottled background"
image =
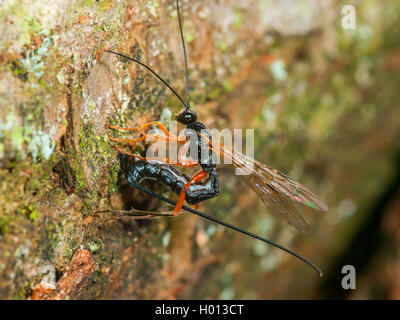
{"points": [[324, 105]]}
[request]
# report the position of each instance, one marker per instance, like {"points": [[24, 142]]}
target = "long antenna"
{"points": [[229, 226], [152, 71], [184, 54]]}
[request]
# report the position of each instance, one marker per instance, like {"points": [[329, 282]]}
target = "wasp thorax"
{"points": [[186, 116]]}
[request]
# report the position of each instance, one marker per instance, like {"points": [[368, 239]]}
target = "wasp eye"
{"points": [[186, 116]]}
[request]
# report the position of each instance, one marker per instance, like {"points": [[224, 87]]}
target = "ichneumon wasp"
{"points": [[279, 192]]}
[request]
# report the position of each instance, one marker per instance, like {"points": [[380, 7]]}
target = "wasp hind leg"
{"points": [[198, 176], [136, 214], [181, 163]]}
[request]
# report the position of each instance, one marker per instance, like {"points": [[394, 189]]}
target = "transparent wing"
{"points": [[277, 204], [279, 192]]}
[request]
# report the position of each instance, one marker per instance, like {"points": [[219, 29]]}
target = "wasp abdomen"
{"points": [[140, 170]]}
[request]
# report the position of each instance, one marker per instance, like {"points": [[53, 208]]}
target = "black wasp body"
{"points": [[195, 192]]}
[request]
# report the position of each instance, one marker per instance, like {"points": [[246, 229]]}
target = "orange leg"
{"points": [[131, 142], [154, 137], [186, 164], [182, 161], [122, 128], [167, 136], [198, 176]]}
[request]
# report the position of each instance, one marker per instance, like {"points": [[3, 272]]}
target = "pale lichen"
{"points": [[33, 61], [278, 70], [42, 144]]}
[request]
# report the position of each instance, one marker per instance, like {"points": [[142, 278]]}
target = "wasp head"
{"points": [[186, 116]]}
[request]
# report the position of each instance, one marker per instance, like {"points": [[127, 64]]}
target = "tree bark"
{"points": [[252, 64]]}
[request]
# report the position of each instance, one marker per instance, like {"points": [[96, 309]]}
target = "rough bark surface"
{"points": [[312, 92]]}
